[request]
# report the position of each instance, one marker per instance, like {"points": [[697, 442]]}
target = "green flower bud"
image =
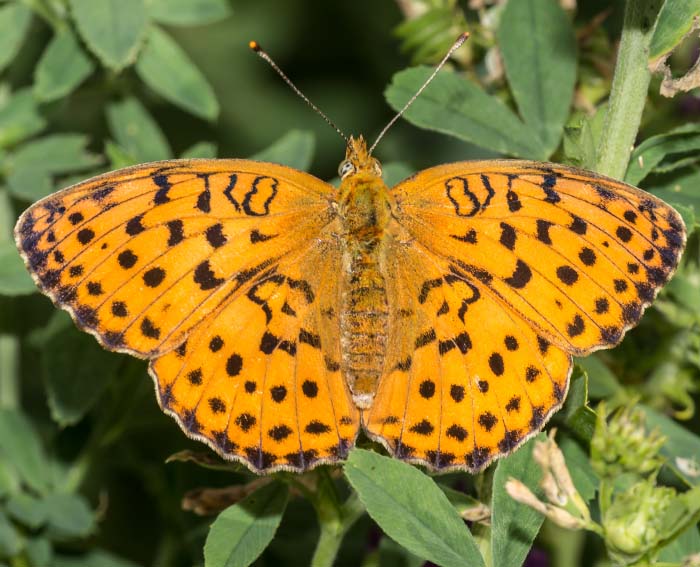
{"points": [[622, 444], [634, 523]]}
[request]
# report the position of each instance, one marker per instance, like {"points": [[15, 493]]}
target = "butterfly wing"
{"points": [[210, 268], [521, 265]]}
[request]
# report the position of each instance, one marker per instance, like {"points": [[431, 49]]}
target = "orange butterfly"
{"points": [[281, 315]]}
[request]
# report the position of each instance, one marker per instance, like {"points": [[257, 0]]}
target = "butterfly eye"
{"points": [[377, 168], [345, 168]]}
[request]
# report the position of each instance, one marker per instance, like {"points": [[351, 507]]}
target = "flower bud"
{"points": [[622, 444], [634, 522]]}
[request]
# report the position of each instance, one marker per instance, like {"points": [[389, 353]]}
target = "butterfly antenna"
{"points": [[255, 46], [455, 46]]}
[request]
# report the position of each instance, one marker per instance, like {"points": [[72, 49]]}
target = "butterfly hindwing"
{"points": [[261, 382], [466, 380]]}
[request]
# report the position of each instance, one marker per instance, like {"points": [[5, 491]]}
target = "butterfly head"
{"points": [[358, 161]]}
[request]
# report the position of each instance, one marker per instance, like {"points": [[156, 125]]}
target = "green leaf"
{"points": [[55, 154], [14, 23], [39, 551], [20, 445], [391, 554], [137, 132], [460, 501], [62, 67], [688, 214], [188, 12], [682, 447], [29, 184], [411, 509], [74, 369], [672, 24], [579, 465], [395, 172], [602, 383], [581, 138], [26, 510], [576, 414], [538, 46], [9, 479], [682, 188], [11, 542], [681, 547], [94, 558], [242, 531], [118, 157], [294, 149], [167, 69], [430, 34], [456, 106], [112, 29], [19, 118], [646, 157], [68, 516], [33, 164], [14, 278], [206, 150], [514, 526]]}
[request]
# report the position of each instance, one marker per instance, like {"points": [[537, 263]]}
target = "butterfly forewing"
{"points": [[579, 256]]}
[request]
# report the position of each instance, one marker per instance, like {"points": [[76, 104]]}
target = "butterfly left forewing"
{"points": [[140, 255]]}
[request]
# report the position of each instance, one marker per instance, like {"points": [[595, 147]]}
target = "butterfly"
{"points": [[282, 316]]}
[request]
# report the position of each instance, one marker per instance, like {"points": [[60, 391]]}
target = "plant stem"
{"points": [[629, 89], [334, 519]]}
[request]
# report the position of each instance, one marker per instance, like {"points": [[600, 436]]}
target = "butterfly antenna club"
{"points": [[255, 46], [455, 46]]}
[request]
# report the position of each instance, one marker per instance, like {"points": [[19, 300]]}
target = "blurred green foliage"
{"points": [[93, 85]]}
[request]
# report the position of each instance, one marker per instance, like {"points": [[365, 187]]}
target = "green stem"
{"points": [[629, 89], [335, 519], [9, 343]]}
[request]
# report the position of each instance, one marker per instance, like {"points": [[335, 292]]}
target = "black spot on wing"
{"points": [[543, 227], [163, 184], [205, 278], [549, 181], [521, 276], [508, 236], [176, 232]]}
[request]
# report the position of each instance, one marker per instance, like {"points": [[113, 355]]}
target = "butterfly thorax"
{"points": [[365, 212]]}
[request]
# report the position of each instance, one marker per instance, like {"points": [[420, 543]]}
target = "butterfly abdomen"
{"points": [[363, 324], [364, 316]]}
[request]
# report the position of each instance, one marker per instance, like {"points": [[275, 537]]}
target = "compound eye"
{"points": [[377, 168], [345, 168]]}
